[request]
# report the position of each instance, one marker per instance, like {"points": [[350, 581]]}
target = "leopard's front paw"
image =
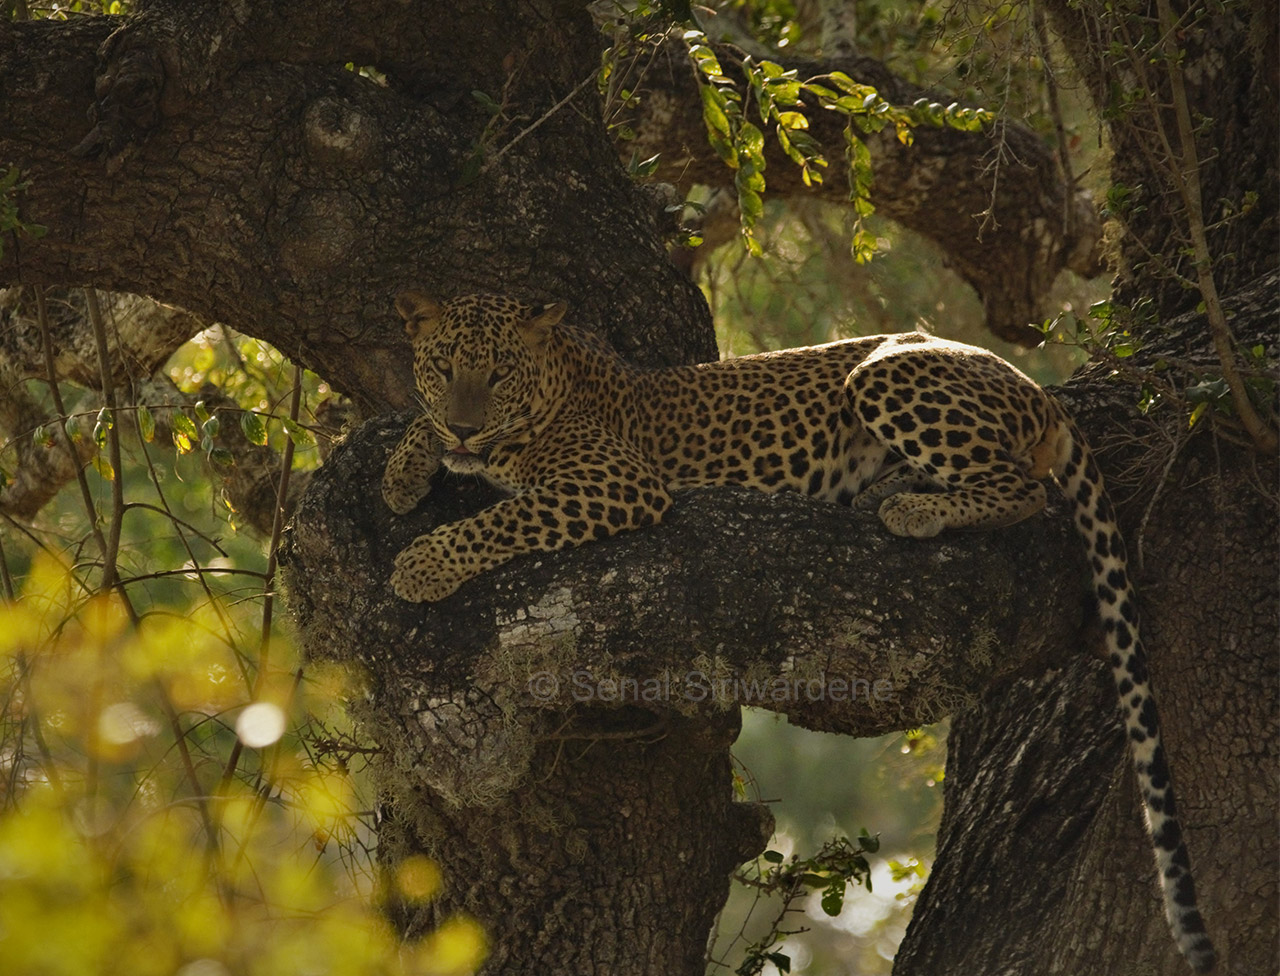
{"points": [[413, 463], [401, 496], [425, 572], [913, 515]]}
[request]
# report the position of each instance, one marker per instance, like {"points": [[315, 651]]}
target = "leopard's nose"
{"points": [[462, 431]]}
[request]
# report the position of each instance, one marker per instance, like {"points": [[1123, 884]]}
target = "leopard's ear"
{"points": [[421, 313], [542, 319]]}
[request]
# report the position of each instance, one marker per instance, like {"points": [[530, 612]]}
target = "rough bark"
{"points": [[1039, 772], [237, 170]]}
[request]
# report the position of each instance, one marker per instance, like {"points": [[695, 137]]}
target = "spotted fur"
{"points": [[937, 434]]}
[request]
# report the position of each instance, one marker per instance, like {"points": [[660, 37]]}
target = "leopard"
{"points": [[932, 434]]}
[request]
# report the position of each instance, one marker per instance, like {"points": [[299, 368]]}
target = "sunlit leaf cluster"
{"points": [[838, 864], [777, 97]]}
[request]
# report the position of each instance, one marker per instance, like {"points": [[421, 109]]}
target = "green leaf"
{"points": [[716, 120], [640, 168], [486, 102], [749, 177], [705, 58], [785, 142], [254, 430], [296, 433], [714, 115], [222, 457], [146, 423], [750, 205], [781, 960], [847, 84], [211, 427], [103, 467], [859, 165], [101, 426], [184, 424], [807, 145], [773, 857], [185, 434], [833, 899], [786, 92], [1208, 391]]}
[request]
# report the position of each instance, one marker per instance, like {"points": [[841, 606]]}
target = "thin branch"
{"points": [[55, 391], [1055, 106], [537, 122], [268, 580], [167, 513], [277, 526], [110, 551], [1187, 180]]}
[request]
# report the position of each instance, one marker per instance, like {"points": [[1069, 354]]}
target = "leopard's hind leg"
{"points": [[966, 426]]}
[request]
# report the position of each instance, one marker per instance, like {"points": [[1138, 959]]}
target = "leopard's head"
{"points": [[479, 367]]}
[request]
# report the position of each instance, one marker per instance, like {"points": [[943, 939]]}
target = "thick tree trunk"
{"points": [[1039, 773], [1209, 586]]}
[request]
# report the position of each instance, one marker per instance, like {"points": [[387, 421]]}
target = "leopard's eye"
{"points": [[499, 373], [443, 367]]}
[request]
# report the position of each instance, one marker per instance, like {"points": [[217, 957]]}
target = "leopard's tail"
{"points": [[1081, 480]]}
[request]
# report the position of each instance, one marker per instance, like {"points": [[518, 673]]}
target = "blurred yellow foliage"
{"points": [[132, 842]]}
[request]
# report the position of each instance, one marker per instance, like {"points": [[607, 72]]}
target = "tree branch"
{"points": [[738, 598], [270, 199]]}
